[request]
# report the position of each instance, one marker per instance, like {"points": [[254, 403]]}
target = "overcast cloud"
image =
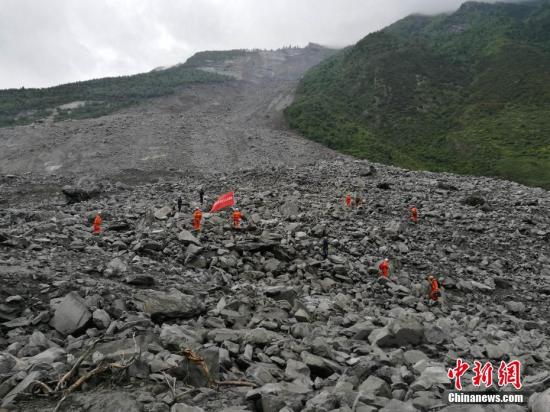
{"points": [[48, 42]]}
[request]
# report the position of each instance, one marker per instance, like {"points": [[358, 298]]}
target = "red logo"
{"points": [[456, 373], [508, 374], [483, 374]]}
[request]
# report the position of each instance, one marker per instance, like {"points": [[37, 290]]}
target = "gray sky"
{"points": [[48, 42]]}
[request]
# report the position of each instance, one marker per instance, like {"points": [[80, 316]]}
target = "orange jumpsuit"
{"points": [[237, 219], [434, 289], [385, 268], [414, 214], [197, 218], [97, 224], [348, 200]]}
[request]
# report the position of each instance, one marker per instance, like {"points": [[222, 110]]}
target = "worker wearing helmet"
{"points": [[384, 267], [237, 218], [435, 293], [348, 200], [197, 219], [414, 214], [97, 223]]}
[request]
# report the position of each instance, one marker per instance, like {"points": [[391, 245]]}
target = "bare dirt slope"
{"points": [[203, 128]]}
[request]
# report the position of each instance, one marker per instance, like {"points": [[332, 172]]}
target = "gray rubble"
{"points": [[256, 319]]}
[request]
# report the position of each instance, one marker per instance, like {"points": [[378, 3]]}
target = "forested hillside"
{"points": [[98, 97], [467, 92]]}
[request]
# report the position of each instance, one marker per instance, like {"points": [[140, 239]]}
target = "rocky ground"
{"points": [[201, 129], [149, 316]]}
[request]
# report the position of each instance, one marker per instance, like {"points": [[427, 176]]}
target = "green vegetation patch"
{"points": [[24, 106], [467, 92]]}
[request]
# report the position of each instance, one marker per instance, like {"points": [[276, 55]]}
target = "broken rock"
{"points": [[71, 314], [172, 304]]}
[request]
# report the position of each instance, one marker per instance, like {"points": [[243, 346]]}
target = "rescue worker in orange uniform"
{"points": [[236, 218], [97, 223], [384, 267], [197, 219], [414, 214], [348, 200], [435, 293]]}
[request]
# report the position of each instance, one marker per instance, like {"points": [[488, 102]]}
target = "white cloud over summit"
{"points": [[44, 43]]}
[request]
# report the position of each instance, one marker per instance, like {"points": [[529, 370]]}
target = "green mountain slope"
{"points": [[467, 92], [103, 96]]}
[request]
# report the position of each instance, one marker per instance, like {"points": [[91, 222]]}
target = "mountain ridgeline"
{"points": [[98, 97], [467, 92]]}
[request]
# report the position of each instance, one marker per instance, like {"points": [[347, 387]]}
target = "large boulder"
{"points": [[381, 337], [116, 267], [261, 336], [282, 293], [71, 314], [187, 237], [318, 365], [171, 304], [432, 375], [85, 189], [163, 213], [176, 336], [407, 330], [7, 362], [404, 331], [298, 372], [373, 385], [121, 348]]}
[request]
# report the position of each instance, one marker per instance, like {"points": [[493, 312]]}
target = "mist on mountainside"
{"points": [[61, 41]]}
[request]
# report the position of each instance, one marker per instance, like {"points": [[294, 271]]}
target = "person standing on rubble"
{"points": [[348, 200], [96, 228], [197, 219], [435, 292], [414, 214], [325, 248], [180, 202], [201, 195], [237, 216], [384, 268]]}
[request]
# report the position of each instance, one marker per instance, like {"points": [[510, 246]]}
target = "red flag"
{"points": [[225, 200]]}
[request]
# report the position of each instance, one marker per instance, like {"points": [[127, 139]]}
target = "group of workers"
{"points": [[384, 266], [197, 219], [434, 293]]}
